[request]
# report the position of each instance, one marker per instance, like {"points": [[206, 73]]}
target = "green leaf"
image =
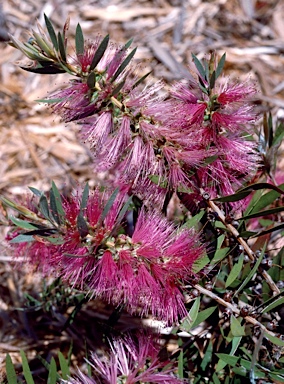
{"points": [[235, 197], [53, 207], [210, 159], [43, 205], [275, 340], [43, 45], [235, 271], [128, 43], [10, 370], [279, 135], [22, 223], [58, 201], [203, 315], [99, 52], [252, 272], [123, 65], [85, 197], [65, 370], [79, 40], [51, 32], [123, 211], [118, 88], [199, 66], [220, 254], [82, 225], [22, 238], [35, 191], [49, 101], [262, 233], [200, 264], [220, 65], [235, 344], [228, 359], [61, 46], [109, 204], [195, 220], [236, 328], [263, 213], [52, 374], [273, 305], [141, 80], [91, 80], [180, 364], [186, 325], [212, 80], [26, 368]]}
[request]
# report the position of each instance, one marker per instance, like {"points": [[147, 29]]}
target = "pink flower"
{"points": [[144, 271], [130, 363]]}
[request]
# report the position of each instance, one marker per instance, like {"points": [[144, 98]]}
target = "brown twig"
{"points": [[244, 244], [232, 308]]}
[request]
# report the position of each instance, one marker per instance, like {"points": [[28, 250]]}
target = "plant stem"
{"points": [[244, 244]]}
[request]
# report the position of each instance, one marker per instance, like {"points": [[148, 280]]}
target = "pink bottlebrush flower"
{"points": [[144, 271], [131, 363]]}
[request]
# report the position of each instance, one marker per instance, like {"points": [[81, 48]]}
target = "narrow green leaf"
{"points": [[43, 44], [43, 205], [220, 66], [199, 264], [49, 101], [275, 340], [236, 328], [58, 200], [258, 186], [220, 254], [123, 211], [215, 379], [79, 40], [22, 239], [91, 80], [235, 271], [128, 43], [82, 225], [212, 80], [252, 272], [235, 197], [180, 365], [199, 66], [53, 207], [99, 52], [273, 305], [109, 204], [10, 370], [231, 360], [262, 233], [195, 220], [279, 135], [35, 191], [203, 315], [52, 374], [124, 64], [210, 159], [271, 211], [85, 197], [26, 368], [118, 88], [22, 223], [65, 370], [61, 46], [51, 32], [186, 325], [141, 80]]}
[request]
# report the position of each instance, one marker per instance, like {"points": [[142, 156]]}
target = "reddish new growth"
{"points": [[145, 272], [129, 363]]}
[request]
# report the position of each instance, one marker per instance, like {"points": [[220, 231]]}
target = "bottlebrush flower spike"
{"points": [[217, 120], [130, 363], [144, 271]]}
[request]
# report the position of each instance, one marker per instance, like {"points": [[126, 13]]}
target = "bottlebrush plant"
{"points": [[213, 274]]}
